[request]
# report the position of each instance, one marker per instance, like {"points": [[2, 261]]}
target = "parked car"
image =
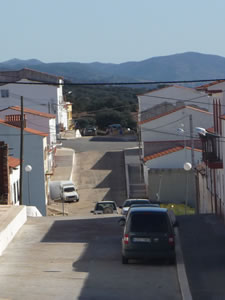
{"points": [[90, 131], [148, 233], [105, 207], [130, 202]]}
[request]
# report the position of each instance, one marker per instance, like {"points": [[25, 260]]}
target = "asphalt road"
{"points": [[101, 143], [79, 258], [99, 172]]}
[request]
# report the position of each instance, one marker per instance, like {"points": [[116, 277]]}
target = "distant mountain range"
{"points": [[184, 66]]}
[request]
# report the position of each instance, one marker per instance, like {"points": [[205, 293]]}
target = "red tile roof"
{"points": [[33, 131], [205, 86], [34, 112], [172, 111], [162, 153], [168, 151], [13, 162]]}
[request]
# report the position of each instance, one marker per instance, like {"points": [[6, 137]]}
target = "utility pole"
{"points": [[21, 150], [192, 142]]}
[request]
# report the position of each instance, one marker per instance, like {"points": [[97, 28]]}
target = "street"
{"points": [[99, 172], [79, 256]]}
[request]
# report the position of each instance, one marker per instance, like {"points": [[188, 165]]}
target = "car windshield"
{"points": [[102, 206], [128, 203], [69, 189], [149, 222]]}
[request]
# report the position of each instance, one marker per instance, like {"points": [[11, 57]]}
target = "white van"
{"points": [[64, 190]]}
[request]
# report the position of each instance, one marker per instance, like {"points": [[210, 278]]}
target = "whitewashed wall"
{"points": [[44, 98], [173, 160], [34, 156], [172, 95], [14, 179], [44, 124], [166, 127]]}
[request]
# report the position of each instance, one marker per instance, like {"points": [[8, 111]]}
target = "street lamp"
{"points": [[187, 167], [28, 169], [181, 130]]}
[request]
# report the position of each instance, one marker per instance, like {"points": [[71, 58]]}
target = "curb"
{"points": [[181, 270], [73, 165]]}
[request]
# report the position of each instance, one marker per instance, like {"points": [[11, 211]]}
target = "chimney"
{"points": [[15, 120], [4, 171]]}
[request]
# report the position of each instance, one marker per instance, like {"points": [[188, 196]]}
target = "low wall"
{"points": [[11, 221]]}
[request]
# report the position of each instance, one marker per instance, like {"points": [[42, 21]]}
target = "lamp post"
{"points": [[28, 169], [187, 167]]}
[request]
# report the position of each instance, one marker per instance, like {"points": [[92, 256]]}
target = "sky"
{"points": [[109, 31]]}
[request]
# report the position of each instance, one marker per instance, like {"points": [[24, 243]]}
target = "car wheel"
{"points": [[124, 260]]}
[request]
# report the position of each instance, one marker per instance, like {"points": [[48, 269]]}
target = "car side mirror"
{"points": [[122, 221]]}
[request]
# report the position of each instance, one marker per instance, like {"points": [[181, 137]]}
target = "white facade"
{"points": [[174, 160], [14, 179], [36, 120], [173, 95], [42, 97], [35, 147], [165, 128]]}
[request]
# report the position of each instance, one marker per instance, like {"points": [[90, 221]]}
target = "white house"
{"points": [[162, 100], [212, 175], [167, 180], [39, 91], [41, 121], [35, 149], [165, 126]]}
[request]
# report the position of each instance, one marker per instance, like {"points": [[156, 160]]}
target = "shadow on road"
{"points": [[100, 263]]}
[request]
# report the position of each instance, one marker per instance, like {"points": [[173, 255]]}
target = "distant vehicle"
{"points": [[90, 131], [148, 233], [63, 190], [105, 207], [127, 204]]}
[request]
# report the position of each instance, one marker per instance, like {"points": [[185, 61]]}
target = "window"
{"points": [[149, 222], [4, 93]]}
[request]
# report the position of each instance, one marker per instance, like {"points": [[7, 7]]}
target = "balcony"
{"points": [[211, 151]]}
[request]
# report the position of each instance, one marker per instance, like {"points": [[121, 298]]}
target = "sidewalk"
{"points": [[203, 247]]}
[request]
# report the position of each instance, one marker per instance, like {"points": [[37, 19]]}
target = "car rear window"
{"points": [[149, 222], [101, 206], [129, 203]]}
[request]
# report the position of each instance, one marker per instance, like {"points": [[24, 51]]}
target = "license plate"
{"points": [[142, 240]]}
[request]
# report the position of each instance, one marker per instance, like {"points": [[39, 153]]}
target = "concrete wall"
{"points": [[13, 219], [172, 186]]}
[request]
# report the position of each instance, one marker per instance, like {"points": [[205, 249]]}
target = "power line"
{"points": [[111, 83]]}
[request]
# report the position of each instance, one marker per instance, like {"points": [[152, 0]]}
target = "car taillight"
{"points": [[171, 240], [126, 239]]}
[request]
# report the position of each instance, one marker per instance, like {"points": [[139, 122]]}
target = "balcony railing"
{"points": [[211, 151]]}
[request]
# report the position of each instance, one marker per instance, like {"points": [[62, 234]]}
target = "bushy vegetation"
{"points": [[104, 105]]}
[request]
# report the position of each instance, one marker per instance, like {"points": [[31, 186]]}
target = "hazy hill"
{"points": [[185, 66]]}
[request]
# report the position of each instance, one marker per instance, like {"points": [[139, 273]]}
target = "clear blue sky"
{"points": [[112, 31]]}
